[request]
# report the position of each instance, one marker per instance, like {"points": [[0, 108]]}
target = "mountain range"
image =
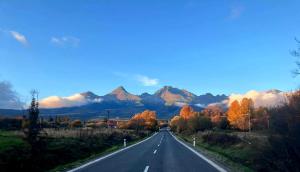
{"points": [[167, 101], [167, 95]]}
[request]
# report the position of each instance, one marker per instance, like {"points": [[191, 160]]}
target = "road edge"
{"points": [[109, 155], [216, 166]]}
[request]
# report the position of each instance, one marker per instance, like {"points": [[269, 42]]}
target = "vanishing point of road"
{"points": [[160, 153]]}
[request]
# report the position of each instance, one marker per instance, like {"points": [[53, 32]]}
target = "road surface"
{"points": [[160, 153]]}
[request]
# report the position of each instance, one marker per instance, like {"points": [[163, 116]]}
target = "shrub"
{"points": [[223, 124], [220, 139], [76, 124]]}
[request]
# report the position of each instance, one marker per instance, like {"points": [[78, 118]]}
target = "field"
{"points": [[60, 148], [238, 151]]}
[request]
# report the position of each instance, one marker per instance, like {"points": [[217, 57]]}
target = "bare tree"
{"points": [[296, 53]]}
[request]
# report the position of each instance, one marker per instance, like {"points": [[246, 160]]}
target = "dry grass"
{"points": [[81, 132]]}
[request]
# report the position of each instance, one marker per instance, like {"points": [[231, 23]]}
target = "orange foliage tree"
{"points": [[145, 120], [178, 124], [239, 113], [187, 112], [190, 121], [214, 112]]}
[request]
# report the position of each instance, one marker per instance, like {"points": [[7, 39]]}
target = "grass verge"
{"points": [[69, 166], [217, 154]]}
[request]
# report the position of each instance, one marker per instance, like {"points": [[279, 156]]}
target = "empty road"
{"points": [[160, 153]]}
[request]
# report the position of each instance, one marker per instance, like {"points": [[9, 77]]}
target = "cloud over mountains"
{"points": [[9, 99], [269, 98], [56, 102], [169, 96]]}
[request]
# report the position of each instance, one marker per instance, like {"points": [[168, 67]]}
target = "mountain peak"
{"points": [[89, 95], [172, 95], [121, 94], [119, 89]]}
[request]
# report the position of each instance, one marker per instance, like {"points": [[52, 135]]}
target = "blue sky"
{"points": [[65, 47]]}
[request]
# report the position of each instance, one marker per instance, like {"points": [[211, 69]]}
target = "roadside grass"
{"points": [[61, 152], [233, 158], [8, 140], [69, 166]]}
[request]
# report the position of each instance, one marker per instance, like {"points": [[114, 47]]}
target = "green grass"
{"points": [[229, 157], [8, 140], [80, 162], [59, 153]]}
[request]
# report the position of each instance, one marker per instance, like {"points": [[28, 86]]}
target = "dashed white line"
{"points": [[146, 168], [158, 145], [220, 169], [155, 151], [109, 155]]}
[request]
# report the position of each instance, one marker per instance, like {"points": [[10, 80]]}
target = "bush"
{"points": [[223, 124], [220, 139], [199, 123], [10, 123]]}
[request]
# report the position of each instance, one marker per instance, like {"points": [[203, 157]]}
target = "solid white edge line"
{"points": [[200, 155], [146, 168], [109, 155]]}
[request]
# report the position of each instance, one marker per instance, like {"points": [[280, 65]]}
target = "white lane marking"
{"points": [[109, 155], [158, 145], [146, 168], [200, 155], [155, 151]]}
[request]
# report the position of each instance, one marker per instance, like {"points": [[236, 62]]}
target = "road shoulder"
{"points": [[217, 165], [80, 164], [217, 158]]}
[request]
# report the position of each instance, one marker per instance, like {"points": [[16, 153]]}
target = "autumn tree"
{"points": [[233, 113], [239, 113], [187, 112], [178, 124], [215, 113], [145, 120]]}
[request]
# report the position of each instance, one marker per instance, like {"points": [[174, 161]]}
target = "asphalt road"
{"points": [[160, 153]]}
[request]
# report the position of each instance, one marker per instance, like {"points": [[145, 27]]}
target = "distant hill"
{"points": [[167, 101]]}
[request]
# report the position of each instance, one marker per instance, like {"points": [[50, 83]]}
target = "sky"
{"points": [[222, 46]]}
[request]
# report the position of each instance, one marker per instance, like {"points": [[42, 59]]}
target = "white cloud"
{"points": [[180, 104], [236, 11], [65, 41], [19, 37], [270, 98], [200, 105], [146, 81], [9, 99], [70, 101]]}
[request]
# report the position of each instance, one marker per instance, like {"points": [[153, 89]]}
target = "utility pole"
{"points": [[249, 122], [107, 118], [268, 122]]}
